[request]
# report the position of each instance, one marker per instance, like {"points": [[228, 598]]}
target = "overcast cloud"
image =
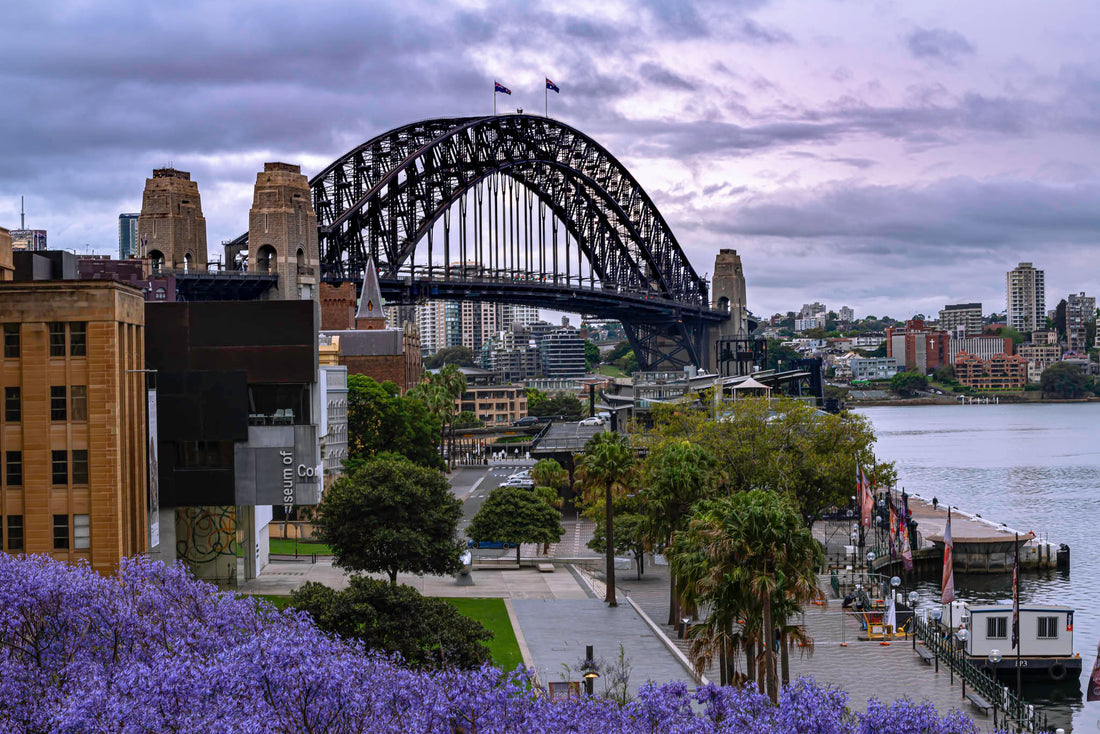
{"points": [[891, 156]]}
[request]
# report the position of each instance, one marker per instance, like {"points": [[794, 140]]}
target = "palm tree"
{"points": [[678, 474], [609, 464], [748, 556], [439, 392]]}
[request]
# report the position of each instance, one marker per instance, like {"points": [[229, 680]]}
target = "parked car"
{"points": [[527, 420], [593, 421]]}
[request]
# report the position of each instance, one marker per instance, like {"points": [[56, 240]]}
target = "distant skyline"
{"points": [[889, 156]]}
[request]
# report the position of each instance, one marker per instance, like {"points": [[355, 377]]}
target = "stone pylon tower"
{"points": [[728, 294], [171, 229], [370, 314], [282, 232]]}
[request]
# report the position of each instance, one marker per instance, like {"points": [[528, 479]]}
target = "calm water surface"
{"points": [[1034, 467]]}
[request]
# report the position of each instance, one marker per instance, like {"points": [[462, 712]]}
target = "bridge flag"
{"points": [[866, 501], [498, 87], [947, 593], [552, 86]]}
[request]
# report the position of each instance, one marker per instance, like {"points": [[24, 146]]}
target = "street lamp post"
{"points": [[913, 598], [591, 673], [962, 634], [994, 658], [937, 615]]}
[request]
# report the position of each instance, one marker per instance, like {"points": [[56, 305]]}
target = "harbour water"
{"points": [[1034, 467]]}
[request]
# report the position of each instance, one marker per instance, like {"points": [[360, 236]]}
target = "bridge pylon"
{"points": [[727, 346]]}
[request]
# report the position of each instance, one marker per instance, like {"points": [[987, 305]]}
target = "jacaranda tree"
{"points": [[153, 650]]}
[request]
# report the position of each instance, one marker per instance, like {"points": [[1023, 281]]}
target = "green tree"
{"points": [[785, 446], [1060, 319], [908, 383], [745, 556], [440, 392], [621, 349], [428, 633], [591, 355], [879, 351], [458, 356], [607, 470], [380, 419], [1065, 380], [466, 419], [629, 536], [392, 516], [676, 475], [778, 355], [1007, 332], [945, 373], [549, 473], [516, 515], [562, 404]]}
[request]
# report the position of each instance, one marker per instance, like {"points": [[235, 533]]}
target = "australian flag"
{"points": [[552, 86], [498, 87]]}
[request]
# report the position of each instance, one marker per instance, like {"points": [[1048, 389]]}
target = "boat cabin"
{"points": [[1045, 631]]}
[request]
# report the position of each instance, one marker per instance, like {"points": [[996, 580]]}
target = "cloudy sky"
{"points": [[890, 156]]}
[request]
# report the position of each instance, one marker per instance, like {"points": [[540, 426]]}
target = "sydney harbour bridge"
{"points": [[519, 209]]}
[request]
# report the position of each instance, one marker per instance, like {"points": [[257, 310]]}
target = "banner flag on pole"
{"points": [[865, 499], [1016, 596], [947, 592], [903, 534], [893, 529], [552, 86], [498, 87], [1094, 679]]}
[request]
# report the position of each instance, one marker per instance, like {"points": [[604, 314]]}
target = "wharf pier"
{"points": [[980, 545]]}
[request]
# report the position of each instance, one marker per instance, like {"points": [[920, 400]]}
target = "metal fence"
{"points": [[1022, 714]]}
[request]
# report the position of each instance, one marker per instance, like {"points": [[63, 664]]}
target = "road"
{"points": [[473, 484]]}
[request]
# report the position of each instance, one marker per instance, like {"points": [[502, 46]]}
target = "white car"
{"points": [[593, 421]]}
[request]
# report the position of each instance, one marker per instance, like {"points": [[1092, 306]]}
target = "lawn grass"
{"points": [[279, 601], [285, 546], [610, 370], [493, 615]]}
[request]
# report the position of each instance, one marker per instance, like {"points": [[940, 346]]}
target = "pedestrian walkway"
{"points": [[864, 669]]}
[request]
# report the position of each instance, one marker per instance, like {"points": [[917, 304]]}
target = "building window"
{"points": [[80, 466], [996, 628], [57, 339], [82, 535], [1048, 628], [14, 469], [58, 402], [60, 532], [15, 532], [78, 338], [78, 402], [60, 467], [11, 341], [13, 409], [160, 294]]}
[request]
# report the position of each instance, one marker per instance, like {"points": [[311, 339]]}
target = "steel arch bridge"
{"points": [[518, 209]]}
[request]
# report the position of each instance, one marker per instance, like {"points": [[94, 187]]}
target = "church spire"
{"points": [[370, 314]]}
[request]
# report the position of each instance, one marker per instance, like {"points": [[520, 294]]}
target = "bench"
{"points": [[978, 702], [546, 567], [926, 655]]}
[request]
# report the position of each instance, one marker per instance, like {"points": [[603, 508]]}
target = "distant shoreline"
{"points": [[1004, 400]]}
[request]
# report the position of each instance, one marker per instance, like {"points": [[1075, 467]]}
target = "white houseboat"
{"points": [[1046, 641]]}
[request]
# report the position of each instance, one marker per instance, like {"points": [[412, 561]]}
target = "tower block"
{"points": [[171, 227], [282, 232]]}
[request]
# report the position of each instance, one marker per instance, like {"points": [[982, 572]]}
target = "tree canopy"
{"points": [[426, 632], [458, 356], [516, 515], [1065, 380], [908, 383], [380, 419], [542, 405], [158, 651], [786, 446], [606, 471], [591, 355], [392, 516]]}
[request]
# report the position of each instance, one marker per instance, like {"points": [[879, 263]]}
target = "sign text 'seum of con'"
{"points": [[288, 477]]}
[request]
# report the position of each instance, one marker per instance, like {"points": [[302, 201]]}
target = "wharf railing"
{"points": [[1015, 709]]}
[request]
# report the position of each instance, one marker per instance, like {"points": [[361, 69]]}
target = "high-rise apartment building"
{"points": [[171, 227], [916, 347], [515, 314], [127, 235], [1026, 296], [479, 321], [846, 314], [1080, 309], [562, 353], [961, 319], [73, 429]]}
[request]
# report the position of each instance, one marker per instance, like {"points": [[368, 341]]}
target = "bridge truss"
{"points": [[518, 209]]}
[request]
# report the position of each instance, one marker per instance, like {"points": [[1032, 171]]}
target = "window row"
{"points": [[77, 341], [65, 403], [59, 467], [996, 628], [81, 535]]}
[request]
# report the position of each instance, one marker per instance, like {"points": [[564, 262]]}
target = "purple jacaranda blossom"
{"points": [[151, 649]]}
